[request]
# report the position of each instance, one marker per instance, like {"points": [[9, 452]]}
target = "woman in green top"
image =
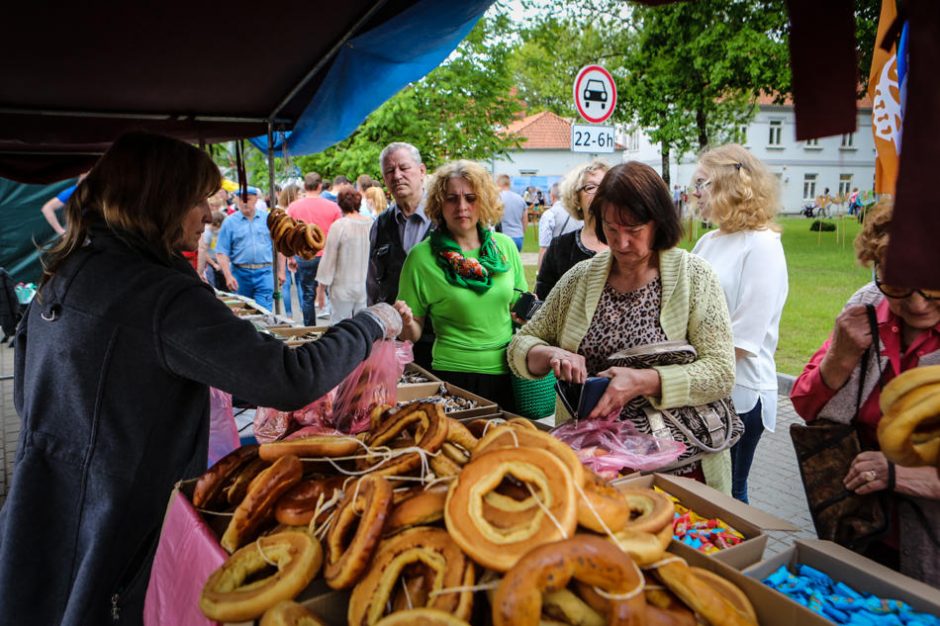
{"points": [[465, 279]]}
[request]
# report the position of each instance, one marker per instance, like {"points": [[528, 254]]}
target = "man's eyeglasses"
{"points": [[701, 184], [903, 292], [590, 189]]}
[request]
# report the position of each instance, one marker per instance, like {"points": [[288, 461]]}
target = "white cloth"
{"points": [[554, 222], [753, 274], [346, 259]]}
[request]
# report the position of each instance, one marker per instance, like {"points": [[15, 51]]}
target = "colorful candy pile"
{"points": [[700, 533], [842, 604]]}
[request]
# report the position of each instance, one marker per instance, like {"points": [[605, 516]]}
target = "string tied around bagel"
{"points": [[547, 511], [629, 595], [496, 421], [666, 561], [594, 512], [464, 588], [264, 557]]}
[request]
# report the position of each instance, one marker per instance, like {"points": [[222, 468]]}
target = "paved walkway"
{"points": [[775, 485]]}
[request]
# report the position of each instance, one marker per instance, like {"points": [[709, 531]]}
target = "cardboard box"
{"points": [[858, 572], [298, 335], [407, 393], [711, 503], [413, 368]]}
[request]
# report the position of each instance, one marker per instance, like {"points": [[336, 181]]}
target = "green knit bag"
{"points": [[534, 398]]}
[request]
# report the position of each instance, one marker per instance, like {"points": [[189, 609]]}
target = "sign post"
{"points": [[595, 96]]}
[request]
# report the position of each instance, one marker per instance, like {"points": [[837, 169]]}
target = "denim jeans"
{"points": [[257, 284], [307, 280], [518, 241], [742, 453], [285, 293]]}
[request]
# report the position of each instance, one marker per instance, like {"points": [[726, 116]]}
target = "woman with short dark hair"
{"points": [[642, 290], [346, 258]]}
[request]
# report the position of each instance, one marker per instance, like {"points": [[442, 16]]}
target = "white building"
{"points": [[805, 168]]}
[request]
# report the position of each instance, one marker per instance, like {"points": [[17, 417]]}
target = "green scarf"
{"points": [[468, 272]]}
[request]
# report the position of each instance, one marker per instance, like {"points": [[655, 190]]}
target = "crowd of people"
{"points": [[105, 380]]}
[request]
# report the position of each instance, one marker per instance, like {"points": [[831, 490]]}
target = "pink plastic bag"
{"points": [[374, 382], [611, 446], [270, 424], [223, 434]]}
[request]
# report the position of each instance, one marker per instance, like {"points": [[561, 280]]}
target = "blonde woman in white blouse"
{"points": [[738, 193], [346, 258]]}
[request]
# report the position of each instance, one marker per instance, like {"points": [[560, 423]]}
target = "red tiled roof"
{"points": [[768, 99], [542, 131]]}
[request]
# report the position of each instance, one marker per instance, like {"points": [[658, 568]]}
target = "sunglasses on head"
{"points": [[903, 292]]}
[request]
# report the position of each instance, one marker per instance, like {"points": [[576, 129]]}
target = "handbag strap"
{"points": [[874, 349], [695, 440]]}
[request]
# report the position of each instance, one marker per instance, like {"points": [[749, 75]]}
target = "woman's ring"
{"points": [[870, 476]]}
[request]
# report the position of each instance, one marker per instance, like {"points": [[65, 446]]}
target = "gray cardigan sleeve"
{"points": [[200, 339]]}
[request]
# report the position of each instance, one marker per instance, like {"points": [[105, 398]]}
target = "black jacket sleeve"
{"points": [[202, 340]]}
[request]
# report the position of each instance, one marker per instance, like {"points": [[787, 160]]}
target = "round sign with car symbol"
{"points": [[595, 94]]}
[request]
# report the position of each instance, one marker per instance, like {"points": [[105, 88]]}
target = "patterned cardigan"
{"points": [[693, 309]]}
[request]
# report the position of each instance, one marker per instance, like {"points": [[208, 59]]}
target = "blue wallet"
{"points": [[584, 396]]}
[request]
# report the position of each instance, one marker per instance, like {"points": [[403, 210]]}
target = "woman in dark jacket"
{"points": [[566, 251], [113, 365]]}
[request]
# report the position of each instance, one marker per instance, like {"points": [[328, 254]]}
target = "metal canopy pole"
{"points": [[272, 204]]}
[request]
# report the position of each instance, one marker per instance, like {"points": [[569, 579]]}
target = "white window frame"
{"points": [[848, 141], [775, 134], [845, 184], [809, 183]]}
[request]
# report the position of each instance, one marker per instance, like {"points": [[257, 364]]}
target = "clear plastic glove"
{"points": [[386, 315]]}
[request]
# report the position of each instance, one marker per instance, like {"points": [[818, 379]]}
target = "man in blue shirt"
{"points": [[515, 212], [244, 252]]}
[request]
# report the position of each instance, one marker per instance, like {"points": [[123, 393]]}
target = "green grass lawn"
{"points": [[823, 274]]}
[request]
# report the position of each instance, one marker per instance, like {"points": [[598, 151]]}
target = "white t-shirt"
{"points": [[554, 222], [753, 274]]}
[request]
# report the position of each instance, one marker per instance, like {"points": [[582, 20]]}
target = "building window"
{"points": [[776, 129], [812, 143], [633, 141], [528, 172], [809, 186], [742, 135], [848, 141], [845, 184]]}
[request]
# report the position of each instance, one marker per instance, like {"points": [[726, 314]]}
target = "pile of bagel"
{"points": [[423, 516], [909, 430], [294, 238]]}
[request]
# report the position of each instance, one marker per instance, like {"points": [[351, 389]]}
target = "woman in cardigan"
{"points": [[738, 193], [569, 249], [346, 258], [909, 334], [465, 279], [643, 290]]}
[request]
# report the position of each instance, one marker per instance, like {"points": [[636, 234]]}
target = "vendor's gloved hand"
{"points": [[386, 315]]}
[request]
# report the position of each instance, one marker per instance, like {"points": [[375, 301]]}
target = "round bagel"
{"points": [[367, 504], [511, 437], [650, 511], [289, 613], [499, 548], [311, 446], [266, 488], [729, 590], [227, 598]]}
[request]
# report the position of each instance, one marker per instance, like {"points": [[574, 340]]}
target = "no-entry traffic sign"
{"points": [[595, 94]]}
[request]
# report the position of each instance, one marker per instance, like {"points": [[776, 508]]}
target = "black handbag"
{"points": [[824, 452], [704, 429]]}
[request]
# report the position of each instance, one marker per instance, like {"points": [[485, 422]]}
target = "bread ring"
{"points": [[298, 240], [314, 238], [567, 608], [226, 597], [909, 431], [645, 548], [297, 506], [905, 382], [289, 613], [209, 488], [238, 488], [421, 617], [587, 558], [521, 422], [650, 511], [273, 216], [427, 421], [459, 434], [425, 507], [504, 437], [729, 590], [662, 607], [601, 500], [700, 596], [443, 466], [500, 548], [258, 504], [368, 501], [431, 547], [311, 446]]}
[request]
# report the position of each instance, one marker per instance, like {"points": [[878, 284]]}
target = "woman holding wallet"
{"points": [[643, 290], [465, 279], [114, 360], [908, 325]]}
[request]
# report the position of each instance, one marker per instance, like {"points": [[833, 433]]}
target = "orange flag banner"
{"points": [[885, 92]]}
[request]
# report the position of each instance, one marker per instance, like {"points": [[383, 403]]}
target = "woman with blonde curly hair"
{"points": [[738, 193], [465, 279], [908, 331], [567, 250]]}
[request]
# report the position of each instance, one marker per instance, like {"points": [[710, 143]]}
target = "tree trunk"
{"points": [[665, 152], [701, 121]]}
